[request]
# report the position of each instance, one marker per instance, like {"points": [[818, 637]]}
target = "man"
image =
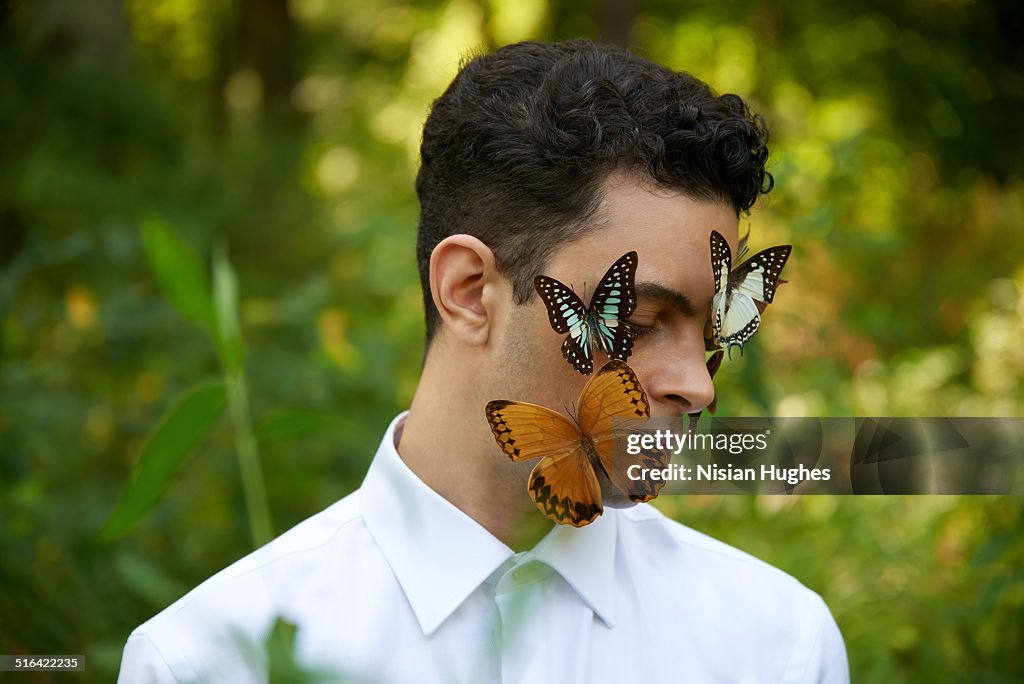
{"points": [[553, 159]]}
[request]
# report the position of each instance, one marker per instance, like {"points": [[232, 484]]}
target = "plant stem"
{"points": [[248, 458]]}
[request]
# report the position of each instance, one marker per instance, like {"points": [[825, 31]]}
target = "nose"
{"points": [[679, 384]]}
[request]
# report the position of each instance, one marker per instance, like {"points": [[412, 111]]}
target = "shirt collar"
{"points": [[585, 558], [440, 555]]}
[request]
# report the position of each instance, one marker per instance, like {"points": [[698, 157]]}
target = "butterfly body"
{"points": [[741, 293], [601, 325], [575, 474]]}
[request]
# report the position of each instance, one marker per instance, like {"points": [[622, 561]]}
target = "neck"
{"points": [[446, 441]]}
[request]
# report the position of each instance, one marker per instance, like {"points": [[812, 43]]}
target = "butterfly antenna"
{"points": [[741, 257], [742, 246]]}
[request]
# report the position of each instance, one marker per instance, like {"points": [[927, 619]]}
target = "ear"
{"points": [[464, 280]]}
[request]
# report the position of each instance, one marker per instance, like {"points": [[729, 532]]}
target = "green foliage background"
{"points": [[277, 141]]}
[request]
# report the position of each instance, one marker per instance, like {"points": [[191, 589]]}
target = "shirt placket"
{"points": [[543, 628]]}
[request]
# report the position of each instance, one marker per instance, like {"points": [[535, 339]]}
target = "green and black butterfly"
{"points": [[602, 324]]}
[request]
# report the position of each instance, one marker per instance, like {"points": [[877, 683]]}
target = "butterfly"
{"points": [[576, 455], [603, 323], [741, 293]]}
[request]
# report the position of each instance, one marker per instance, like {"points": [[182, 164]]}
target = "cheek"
{"points": [[531, 367], [547, 379]]}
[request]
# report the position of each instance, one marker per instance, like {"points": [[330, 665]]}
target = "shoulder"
{"points": [[205, 632], [669, 546], [727, 600], [267, 570]]}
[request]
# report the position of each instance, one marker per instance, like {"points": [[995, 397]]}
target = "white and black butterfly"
{"points": [[742, 293], [602, 324]]}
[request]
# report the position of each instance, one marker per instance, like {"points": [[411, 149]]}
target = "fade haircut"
{"points": [[516, 149]]}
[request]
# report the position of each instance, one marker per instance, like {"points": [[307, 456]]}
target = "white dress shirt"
{"points": [[395, 584]]}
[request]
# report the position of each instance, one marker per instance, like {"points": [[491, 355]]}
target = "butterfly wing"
{"points": [[563, 483], [721, 264], [567, 314], [740, 322], [742, 292], [641, 490], [566, 310], [615, 392], [566, 490], [721, 261], [525, 431], [758, 276], [613, 302], [576, 350]]}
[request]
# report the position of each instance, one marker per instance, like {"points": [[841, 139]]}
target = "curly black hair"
{"points": [[516, 149]]}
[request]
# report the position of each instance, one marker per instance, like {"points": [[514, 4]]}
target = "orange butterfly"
{"points": [[576, 458]]}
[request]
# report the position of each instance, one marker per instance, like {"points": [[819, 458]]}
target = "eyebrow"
{"points": [[660, 293]]}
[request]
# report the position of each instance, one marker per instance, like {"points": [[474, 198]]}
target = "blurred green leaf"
{"points": [[299, 423], [179, 272], [282, 664], [181, 430], [225, 293], [148, 579]]}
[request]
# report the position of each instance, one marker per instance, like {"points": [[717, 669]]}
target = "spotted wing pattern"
{"points": [[603, 323], [616, 393], [563, 483], [741, 292], [721, 261], [525, 431], [613, 302], [758, 276], [736, 321], [567, 314], [566, 490], [641, 490]]}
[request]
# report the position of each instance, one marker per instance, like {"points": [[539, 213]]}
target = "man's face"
{"points": [[671, 234]]}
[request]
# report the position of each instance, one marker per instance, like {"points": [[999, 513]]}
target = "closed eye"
{"points": [[642, 330]]}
